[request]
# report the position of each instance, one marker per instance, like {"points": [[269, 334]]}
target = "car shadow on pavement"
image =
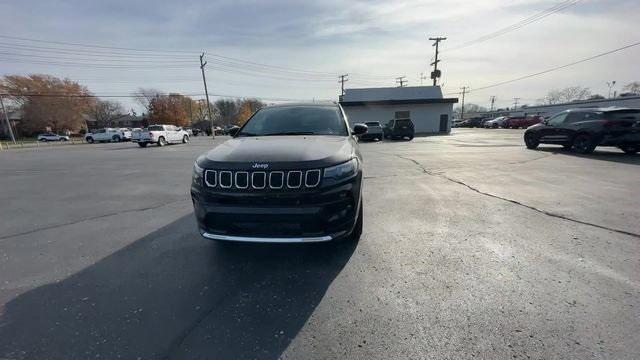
{"points": [[598, 154], [172, 294]]}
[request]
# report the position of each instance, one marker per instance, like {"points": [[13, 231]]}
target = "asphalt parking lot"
{"points": [[473, 247]]}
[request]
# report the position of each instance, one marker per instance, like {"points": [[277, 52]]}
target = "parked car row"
{"points": [[393, 129], [505, 122], [582, 130]]}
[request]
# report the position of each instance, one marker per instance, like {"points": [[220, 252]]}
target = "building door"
{"points": [[444, 123]]}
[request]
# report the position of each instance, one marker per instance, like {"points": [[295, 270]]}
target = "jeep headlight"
{"points": [[197, 174], [335, 174]]}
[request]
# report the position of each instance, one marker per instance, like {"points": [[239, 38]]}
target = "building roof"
{"points": [[395, 96]]}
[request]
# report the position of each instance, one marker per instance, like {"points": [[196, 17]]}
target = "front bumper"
{"points": [[288, 240], [284, 216]]}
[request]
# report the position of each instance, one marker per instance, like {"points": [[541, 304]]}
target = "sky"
{"points": [[295, 50]]}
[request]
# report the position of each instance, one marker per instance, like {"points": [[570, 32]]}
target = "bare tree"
{"points": [[632, 87], [145, 96], [104, 112], [469, 109], [568, 94], [226, 110]]}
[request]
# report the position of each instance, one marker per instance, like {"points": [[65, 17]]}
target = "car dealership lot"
{"points": [[473, 246]]}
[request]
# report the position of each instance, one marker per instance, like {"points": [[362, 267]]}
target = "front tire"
{"points": [[90, 140], [116, 138], [531, 141], [162, 141], [141, 144], [185, 139], [584, 144]]}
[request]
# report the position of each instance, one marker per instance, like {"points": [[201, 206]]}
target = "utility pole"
{"points": [[6, 118], [464, 91], [611, 85], [493, 101], [343, 79], [206, 93], [401, 80], [435, 74], [515, 103], [422, 77]]}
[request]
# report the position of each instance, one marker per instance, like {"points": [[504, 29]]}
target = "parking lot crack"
{"points": [[54, 226], [424, 169], [530, 207]]}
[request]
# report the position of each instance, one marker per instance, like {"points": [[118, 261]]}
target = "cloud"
{"points": [[359, 37]]}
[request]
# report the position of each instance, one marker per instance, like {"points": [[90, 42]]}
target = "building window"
{"points": [[403, 115]]}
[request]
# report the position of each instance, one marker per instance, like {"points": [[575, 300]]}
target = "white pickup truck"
{"points": [[107, 135], [161, 135]]}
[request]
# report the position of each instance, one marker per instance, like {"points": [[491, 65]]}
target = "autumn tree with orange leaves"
{"points": [[48, 102], [172, 109], [246, 108]]}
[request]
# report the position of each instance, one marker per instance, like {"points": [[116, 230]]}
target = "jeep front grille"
{"points": [[241, 180]]}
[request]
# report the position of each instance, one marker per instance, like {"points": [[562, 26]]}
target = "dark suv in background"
{"points": [[291, 174], [399, 129], [584, 129]]}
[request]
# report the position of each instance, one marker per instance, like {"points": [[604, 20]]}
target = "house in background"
{"points": [[429, 111]]}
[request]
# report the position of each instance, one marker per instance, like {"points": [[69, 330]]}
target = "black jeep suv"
{"points": [[291, 174], [399, 129], [584, 129]]}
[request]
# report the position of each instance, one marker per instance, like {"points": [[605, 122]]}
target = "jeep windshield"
{"points": [[295, 120]]}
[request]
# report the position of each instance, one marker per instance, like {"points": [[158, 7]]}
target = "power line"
{"points": [[557, 67], [401, 80], [536, 17], [136, 52], [97, 46]]}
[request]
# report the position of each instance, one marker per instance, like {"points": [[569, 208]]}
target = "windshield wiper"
{"points": [[290, 133], [246, 134]]}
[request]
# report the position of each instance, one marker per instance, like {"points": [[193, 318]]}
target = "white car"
{"points": [[106, 135], [126, 134], [52, 137], [160, 135]]}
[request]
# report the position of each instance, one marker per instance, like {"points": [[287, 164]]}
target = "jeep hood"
{"points": [[279, 152]]}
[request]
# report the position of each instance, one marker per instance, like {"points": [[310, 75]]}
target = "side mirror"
{"points": [[359, 129], [233, 131]]}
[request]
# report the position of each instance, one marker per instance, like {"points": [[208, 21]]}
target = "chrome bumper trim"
{"points": [[267, 240]]}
